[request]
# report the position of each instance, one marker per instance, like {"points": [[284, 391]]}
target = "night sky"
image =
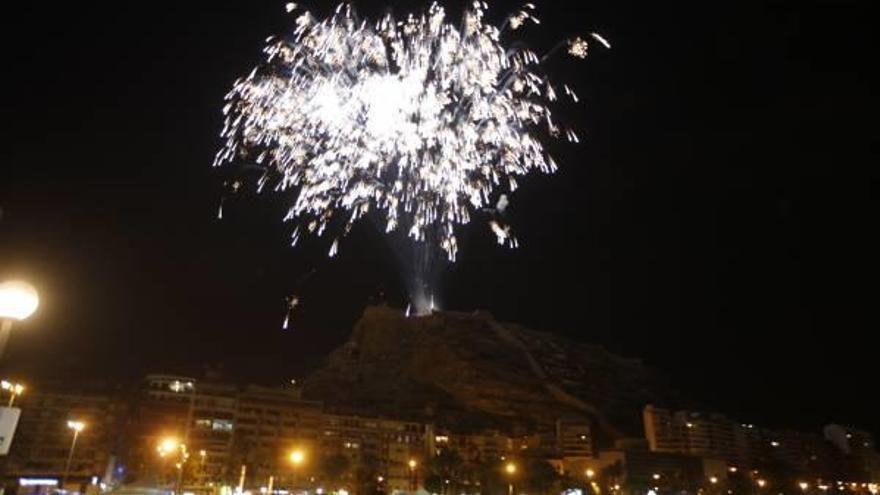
{"points": [[716, 221]]}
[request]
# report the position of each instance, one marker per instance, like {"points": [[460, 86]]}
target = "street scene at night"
{"points": [[462, 248]]}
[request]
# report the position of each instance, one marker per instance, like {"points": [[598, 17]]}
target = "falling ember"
{"points": [[420, 123], [292, 303], [598, 37]]}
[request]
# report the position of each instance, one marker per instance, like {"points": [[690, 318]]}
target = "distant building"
{"points": [[633, 465], [217, 428], [228, 427], [855, 453], [391, 444], [161, 408], [742, 445], [269, 424], [574, 445], [475, 448], [694, 433]]}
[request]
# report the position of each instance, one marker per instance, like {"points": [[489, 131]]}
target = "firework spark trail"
{"points": [[418, 122]]}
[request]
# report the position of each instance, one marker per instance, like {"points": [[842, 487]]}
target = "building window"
{"points": [[222, 425]]}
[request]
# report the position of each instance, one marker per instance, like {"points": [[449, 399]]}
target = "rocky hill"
{"points": [[466, 370]]}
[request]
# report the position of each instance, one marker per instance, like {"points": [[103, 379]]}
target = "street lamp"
{"points": [[510, 469], [413, 483], [590, 473], [15, 389], [203, 471], [171, 445], [77, 427], [18, 300], [297, 456], [167, 445]]}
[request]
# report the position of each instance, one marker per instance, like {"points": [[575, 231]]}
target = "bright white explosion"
{"points": [[419, 122]]}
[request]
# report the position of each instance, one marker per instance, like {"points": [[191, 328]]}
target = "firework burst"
{"points": [[418, 122]]}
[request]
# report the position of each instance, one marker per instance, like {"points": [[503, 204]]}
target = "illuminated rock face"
{"points": [[466, 370]]}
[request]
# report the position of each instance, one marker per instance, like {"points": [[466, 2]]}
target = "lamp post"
{"points": [[413, 484], [76, 426], [203, 471], [184, 456], [179, 386], [167, 447], [510, 469], [18, 300], [15, 389], [296, 458], [761, 483]]}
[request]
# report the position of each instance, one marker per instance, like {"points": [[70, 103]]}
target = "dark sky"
{"points": [[716, 221]]}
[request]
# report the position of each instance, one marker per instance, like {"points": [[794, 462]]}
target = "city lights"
{"points": [[590, 473], [297, 457]]}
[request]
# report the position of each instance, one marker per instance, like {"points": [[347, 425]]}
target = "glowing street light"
{"points": [[803, 485], [761, 482], [297, 457], [14, 389], [18, 300], [168, 445], [413, 482], [590, 473], [77, 427], [171, 445], [713, 480], [510, 469]]}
